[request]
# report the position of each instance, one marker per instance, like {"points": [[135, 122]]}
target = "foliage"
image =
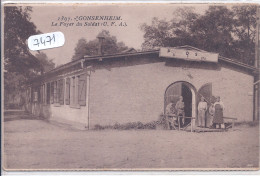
{"points": [[19, 64], [229, 32], [135, 125], [17, 29], [46, 64], [110, 46], [12, 86]]}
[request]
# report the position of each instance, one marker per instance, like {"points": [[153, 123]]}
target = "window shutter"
{"points": [[52, 92], [82, 90], [61, 91], [67, 93], [48, 93], [56, 91], [39, 94]]}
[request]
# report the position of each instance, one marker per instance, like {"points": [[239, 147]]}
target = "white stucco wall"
{"points": [[133, 93], [136, 93]]}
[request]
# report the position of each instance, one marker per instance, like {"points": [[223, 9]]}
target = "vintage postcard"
{"points": [[136, 86]]}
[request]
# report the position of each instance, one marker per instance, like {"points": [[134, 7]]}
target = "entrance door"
{"points": [[172, 94], [185, 90], [206, 92], [187, 99]]}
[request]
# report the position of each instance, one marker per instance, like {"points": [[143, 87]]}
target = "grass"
{"points": [[136, 125], [160, 123]]}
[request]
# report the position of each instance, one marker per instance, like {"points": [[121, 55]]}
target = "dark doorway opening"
{"points": [[183, 89], [187, 99]]}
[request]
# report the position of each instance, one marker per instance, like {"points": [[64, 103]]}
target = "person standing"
{"points": [[218, 115], [202, 108], [180, 111], [211, 116]]}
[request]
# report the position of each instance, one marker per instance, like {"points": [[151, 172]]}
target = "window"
{"points": [[52, 93], [61, 91], [73, 91], [43, 94], [35, 96], [82, 90], [48, 97], [77, 96], [28, 95], [55, 92], [67, 95], [39, 94]]}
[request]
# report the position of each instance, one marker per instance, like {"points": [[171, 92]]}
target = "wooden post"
{"points": [[257, 65], [178, 122], [168, 122], [191, 124], [87, 96]]}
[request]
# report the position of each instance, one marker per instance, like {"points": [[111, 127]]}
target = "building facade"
{"points": [[132, 87]]}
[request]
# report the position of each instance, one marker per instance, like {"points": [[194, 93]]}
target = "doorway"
{"points": [[188, 92]]}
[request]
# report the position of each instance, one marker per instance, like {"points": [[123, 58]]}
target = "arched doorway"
{"points": [[187, 91]]}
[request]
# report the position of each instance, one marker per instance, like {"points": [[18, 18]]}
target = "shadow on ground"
{"points": [[12, 115]]}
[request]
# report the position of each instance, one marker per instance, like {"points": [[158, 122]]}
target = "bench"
{"points": [[233, 122], [177, 117]]}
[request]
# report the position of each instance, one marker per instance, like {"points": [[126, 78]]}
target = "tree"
{"points": [[110, 46], [80, 49], [229, 32], [213, 31], [245, 31], [17, 29], [46, 64], [19, 64], [157, 34]]}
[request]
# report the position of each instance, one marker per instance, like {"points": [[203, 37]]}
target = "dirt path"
{"points": [[35, 144]]}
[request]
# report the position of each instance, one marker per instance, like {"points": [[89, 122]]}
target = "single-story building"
{"points": [[137, 86]]}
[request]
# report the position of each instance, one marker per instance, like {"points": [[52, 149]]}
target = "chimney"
{"points": [[101, 39]]}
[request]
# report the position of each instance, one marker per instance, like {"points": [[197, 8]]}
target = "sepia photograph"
{"points": [[130, 86]]}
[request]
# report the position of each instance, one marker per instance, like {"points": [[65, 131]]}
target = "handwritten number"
{"points": [[42, 41], [37, 42], [50, 39], [53, 38]]}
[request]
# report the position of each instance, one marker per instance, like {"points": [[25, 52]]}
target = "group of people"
{"points": [[214, 119], [215, 111]]}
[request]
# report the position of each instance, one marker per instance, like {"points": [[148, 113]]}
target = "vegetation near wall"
{"points": [[161, 123]]}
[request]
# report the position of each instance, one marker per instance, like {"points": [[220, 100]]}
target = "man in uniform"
{"points": [[180, 111]]}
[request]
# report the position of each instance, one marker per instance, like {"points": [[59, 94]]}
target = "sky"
{"points": [[133, 15]]}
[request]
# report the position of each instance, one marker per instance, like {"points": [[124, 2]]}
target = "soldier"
{"points": [[180, 110]]}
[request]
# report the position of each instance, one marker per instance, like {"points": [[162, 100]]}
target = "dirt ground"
{"points": [[36, 144]]}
